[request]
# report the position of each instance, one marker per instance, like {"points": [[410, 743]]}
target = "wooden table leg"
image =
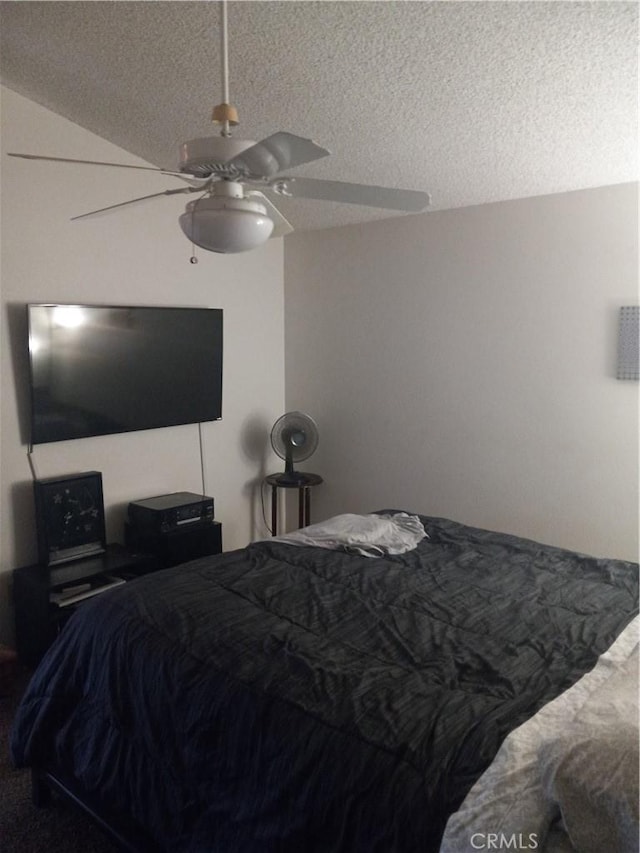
{"points": [[301, 491]]}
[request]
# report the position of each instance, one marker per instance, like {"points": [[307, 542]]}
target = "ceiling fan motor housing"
{"points": [[205, 155]]}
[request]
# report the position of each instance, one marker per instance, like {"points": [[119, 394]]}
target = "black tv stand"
{"points": [[46, 596]]}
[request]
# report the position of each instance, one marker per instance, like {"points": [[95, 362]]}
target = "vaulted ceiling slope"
{"points": [[472, 101]]}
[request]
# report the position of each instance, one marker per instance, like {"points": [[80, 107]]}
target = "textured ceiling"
{"points": [[472, 101]]}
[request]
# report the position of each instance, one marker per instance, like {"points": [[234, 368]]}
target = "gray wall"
{"points": [[462, 364]]}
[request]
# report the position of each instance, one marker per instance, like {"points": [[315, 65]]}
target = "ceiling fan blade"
{"points": [[281, 226], [277, 152], [134, 200], [100, 163], [411, 201]]}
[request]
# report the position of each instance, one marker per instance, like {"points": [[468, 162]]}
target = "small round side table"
{"points": [[303, 483]]}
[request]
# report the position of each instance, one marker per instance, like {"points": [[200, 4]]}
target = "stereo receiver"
{"points": [[165, 513]]}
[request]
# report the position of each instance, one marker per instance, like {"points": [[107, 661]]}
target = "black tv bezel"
{"points": [[37, 441]]}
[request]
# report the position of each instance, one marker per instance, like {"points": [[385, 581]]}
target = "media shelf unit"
{"points": [[172, 547], [46, 596]]}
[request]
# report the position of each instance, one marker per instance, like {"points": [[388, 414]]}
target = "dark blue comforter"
{"points": [[285, 699]]}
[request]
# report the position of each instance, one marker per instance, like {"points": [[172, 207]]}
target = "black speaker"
{"points": [[176, 546], [69, 517]]}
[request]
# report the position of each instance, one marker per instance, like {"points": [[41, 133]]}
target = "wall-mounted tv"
{"points": [[98, 370]]}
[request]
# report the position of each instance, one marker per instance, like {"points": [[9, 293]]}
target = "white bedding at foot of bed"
{"points": [[567, 779]]}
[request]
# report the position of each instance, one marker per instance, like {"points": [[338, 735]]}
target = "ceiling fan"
{"points": [[233, 213]]}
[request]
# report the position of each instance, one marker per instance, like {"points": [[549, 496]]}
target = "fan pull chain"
{"points": [[194, 259]]}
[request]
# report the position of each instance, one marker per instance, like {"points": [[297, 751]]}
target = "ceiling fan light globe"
{"points": [[226, 225]]}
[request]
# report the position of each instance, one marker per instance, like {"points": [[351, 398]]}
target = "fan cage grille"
{"points": [[289, 424]]}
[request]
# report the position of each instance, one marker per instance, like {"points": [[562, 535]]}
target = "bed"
{"points": [[290, 698]]}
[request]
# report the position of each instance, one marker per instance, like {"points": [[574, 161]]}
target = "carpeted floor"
{"points": [[60, 828]]}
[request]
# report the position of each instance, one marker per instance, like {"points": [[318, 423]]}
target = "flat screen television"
{"points": [[98, 370]]}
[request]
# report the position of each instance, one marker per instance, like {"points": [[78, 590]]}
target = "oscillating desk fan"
{"points": [[294, 437]]}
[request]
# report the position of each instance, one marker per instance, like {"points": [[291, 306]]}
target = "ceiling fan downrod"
{"points": [[225, 113]]}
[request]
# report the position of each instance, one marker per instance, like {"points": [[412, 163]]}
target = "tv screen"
{"points": [[97, 370]]}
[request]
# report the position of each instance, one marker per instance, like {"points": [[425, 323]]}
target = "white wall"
{"points": [[458, 363], [135, 256], [462, 364]]}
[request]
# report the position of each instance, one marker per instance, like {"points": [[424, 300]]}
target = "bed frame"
{"points": [[123, 832]]}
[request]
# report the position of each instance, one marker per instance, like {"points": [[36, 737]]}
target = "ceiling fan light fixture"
{"points": [[226, 225]]}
